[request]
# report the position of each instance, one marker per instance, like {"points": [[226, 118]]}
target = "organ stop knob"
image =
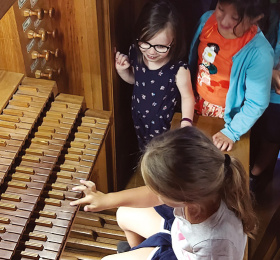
{"points": [[38, 12], [50, 12], [41, 34], [36, 55], [53, 33], [39, 74]]}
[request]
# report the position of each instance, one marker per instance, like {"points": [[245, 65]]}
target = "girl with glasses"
{"points": [[156, 67]]}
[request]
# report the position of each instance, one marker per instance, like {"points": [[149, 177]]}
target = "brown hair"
{"points": [[155, 16], [249, 8], [184, 165]]}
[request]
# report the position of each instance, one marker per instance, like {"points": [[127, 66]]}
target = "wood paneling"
{"points": [[77, 22], [10, 49], [4, 7]]}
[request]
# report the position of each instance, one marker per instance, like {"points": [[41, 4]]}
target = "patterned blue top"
{"points": [[154, 97]]}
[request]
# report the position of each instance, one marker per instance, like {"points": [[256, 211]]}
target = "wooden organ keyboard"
{"points": [[48, 143]]}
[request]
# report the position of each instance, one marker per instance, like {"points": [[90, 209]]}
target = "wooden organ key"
{"points": [[92, 236], [46, 148]]}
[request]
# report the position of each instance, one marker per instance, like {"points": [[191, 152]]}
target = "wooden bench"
{"points": [[210, 126]]}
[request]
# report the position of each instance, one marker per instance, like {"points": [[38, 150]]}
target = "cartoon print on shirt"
{"points": [[185, 248], [206, 68]]}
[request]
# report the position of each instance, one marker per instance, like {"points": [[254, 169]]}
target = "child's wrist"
{"points": [[186, 119]]}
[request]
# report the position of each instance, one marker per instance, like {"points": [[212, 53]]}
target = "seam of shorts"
{"points": [[151, 255]]}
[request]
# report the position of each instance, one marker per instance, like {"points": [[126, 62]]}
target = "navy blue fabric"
{"points": [[161, 239], [155, 95], [270, 122], [166, 213]]}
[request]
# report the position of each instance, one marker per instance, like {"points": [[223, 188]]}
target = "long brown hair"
{"points": [[184, 165]]}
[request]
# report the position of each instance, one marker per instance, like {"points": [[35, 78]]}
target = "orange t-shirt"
{"points": [[215, 60]]}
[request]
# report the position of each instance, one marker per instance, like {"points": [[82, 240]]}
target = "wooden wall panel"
{"points": [[10, 49], [76, 20], [122, 16], [4, 7]]}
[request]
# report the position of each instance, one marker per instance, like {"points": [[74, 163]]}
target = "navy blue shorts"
{"points": [[161, 240], [270, 121]]}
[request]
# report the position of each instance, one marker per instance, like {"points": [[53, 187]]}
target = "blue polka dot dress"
{"points": [[154, 98]]}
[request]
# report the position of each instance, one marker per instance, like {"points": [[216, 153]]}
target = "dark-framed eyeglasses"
{"points": [[159, 48]]}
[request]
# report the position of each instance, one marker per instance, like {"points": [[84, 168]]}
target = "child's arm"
{"points": [[123, 68], [183, 80], [141, 197], [257, 76]]}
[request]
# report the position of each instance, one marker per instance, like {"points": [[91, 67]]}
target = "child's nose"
{"points": [[225, 21], [152, 50]]}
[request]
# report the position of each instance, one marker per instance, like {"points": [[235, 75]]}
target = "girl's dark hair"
{"points": [[249, 8], [184, 165], [155, 16]]}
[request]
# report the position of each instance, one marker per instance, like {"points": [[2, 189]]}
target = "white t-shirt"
{"points": [[220, 237]]}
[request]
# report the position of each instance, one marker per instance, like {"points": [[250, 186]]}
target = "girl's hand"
{"points": [[95, 199], [222, 142], [276, 81], [122, 61]]}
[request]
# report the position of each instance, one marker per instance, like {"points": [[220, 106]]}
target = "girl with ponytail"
{"points": [[196, 203]]}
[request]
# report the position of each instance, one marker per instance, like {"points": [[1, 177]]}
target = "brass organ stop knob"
{"points": [[41, 34], [53, 33], [50, 12], [56, 71], [56, 53], [38, 12], [36, 55], [39, 74]]}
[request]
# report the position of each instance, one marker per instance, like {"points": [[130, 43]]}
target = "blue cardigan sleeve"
{"points": [[249, 91]]}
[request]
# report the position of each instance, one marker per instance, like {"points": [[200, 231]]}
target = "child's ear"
{"points": [[257, 19]]}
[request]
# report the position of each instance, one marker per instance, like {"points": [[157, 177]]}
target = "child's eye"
{"points": [[220, 8], [235, 18], [144, 45], [161, 47]]}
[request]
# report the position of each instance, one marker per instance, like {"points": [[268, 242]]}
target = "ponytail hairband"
{"points": [[227, 160]]}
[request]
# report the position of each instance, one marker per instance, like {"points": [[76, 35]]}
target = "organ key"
{"points": [[48, 144]]}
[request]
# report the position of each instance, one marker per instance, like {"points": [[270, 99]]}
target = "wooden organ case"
{"points": [[71, 42], [43, 133]]}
